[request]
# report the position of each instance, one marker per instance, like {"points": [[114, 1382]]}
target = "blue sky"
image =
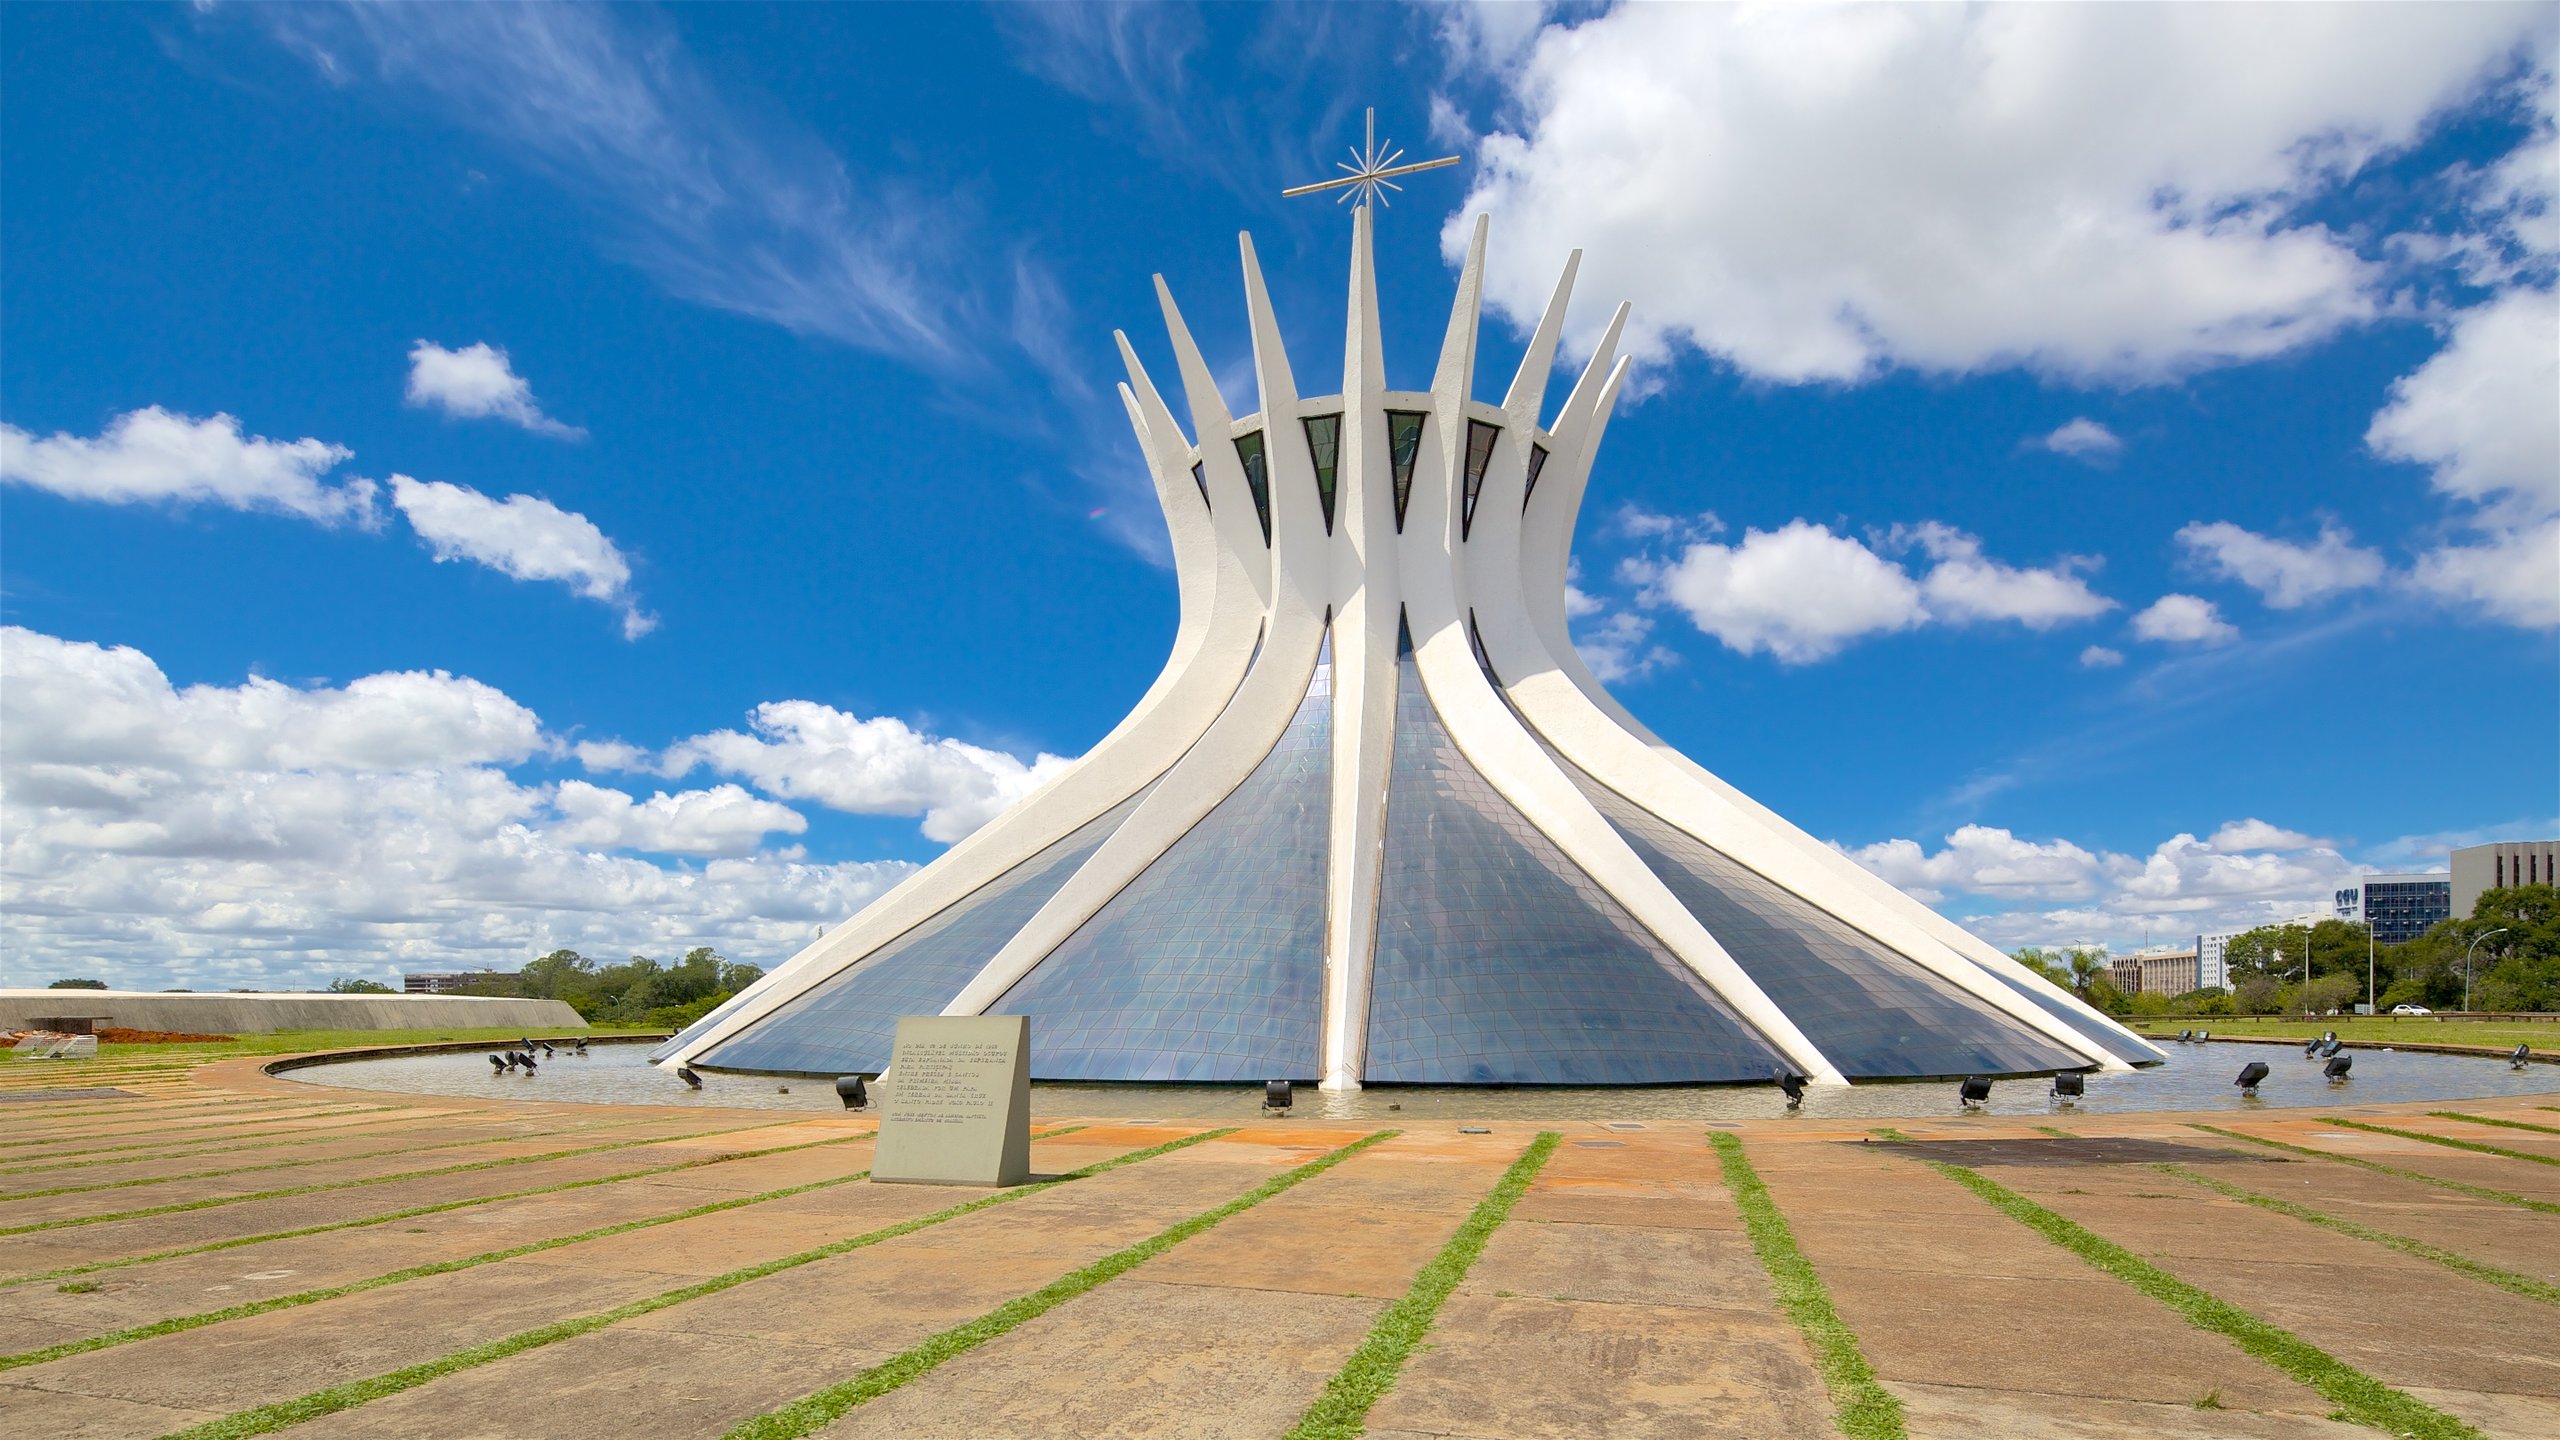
{"points": [[482, 479]]}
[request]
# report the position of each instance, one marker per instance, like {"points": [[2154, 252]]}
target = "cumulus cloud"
{"points": [[523, 537], [2095, 192], [2184, 620], [2099, 657], [1616, 644], [802, 750], [477, 383], [2513, 575], [153, 456], [1801, 592], [2289, 575], [270, 834], [2014, 890], [2082, 439]]}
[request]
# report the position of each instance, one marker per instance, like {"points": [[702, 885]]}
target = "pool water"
{"points": [[2197, 1077]]}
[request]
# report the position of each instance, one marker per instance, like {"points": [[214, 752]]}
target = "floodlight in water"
{"points": [[1278, 1096], [2070, 1085], [2250, 1075], [1793, 1084], [1975, 1090], [2338, 1067], [2522, 1057], [849, 1090], [691, 1080]]}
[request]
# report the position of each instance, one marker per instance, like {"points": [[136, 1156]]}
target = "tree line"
{"points": [[637, 991], [2511, 940]]}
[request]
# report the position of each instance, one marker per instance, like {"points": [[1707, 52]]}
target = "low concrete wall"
{"points": [[263, 1014]]}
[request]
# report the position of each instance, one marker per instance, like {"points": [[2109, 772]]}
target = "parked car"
{"points": [[2411, 1010]]}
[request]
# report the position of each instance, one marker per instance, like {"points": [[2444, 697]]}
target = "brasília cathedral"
{"points": [[1375, 823]]}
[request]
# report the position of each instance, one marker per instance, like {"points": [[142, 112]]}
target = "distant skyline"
{"points": [[482, 479]]}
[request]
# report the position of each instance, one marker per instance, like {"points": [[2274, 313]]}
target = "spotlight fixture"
{"points": [[691, 1080], [2250, 1075], [1278, 1096], [849, 1090], [2311, 1048], [2185, 1036], [1793, 1084], [2523, 1056], [2331, 1046], [497, 1065], [2203, 1035], [1975, 1090], [2338, 1067], [2070, 1085]]}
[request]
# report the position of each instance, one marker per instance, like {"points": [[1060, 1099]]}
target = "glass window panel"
{"points": [[2103, 1038], [1210, 965], [1499, 961], [1537, 462], [1404, 441], [1324, 444], [1480, 438], [1200, 477], [1256, 477], [1876, 1013], [845, 1024]]}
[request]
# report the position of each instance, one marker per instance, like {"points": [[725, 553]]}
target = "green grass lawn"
{"points": [[2385, 1029]]}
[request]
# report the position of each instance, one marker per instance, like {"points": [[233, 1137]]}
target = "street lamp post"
{"points": [[2466, 966]]}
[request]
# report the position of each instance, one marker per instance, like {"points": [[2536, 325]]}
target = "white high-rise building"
{"points": [[1376, 823]]}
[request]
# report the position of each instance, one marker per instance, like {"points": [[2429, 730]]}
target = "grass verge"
{"points": [[1862, 1408], [2459, 1187], [2376, 1029], [1342, 1410], [198, 1321], [267, 1419], [2508, 1280], [2448, 1141], [177, 1206], [815, 1412], [2494, 1120], [413, 1212], [2361, 1399]]}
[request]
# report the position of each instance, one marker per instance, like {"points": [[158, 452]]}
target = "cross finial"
{"points": [[1372, 171]]}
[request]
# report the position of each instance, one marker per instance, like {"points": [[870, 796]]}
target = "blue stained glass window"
{"points": [[1499, 961], [1257, 477], [1404, 440], [1480, 438], [1872, 1011], [1210, 965], [845, 1024], [1324, 446]]}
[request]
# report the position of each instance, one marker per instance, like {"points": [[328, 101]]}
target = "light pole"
{"points": [[2466, 966]]}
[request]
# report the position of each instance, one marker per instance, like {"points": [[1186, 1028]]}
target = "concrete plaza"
{"points": [[225, 1250]]}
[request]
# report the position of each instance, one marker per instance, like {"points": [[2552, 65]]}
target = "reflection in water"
{"points": [[2196, 1078]]}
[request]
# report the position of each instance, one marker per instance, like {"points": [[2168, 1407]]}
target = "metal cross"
{"points": [[1371, 174]]}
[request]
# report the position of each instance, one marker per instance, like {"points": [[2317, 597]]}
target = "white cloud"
{"points": [[1617, 645], [2082, 439], [2099, 657], [2097, 192], [523, 537], [723, 820], [802, 750], [2288, 575], [2016, 891], [1801, 592], [150, 455], [477, 383], [2184, 620], [1966, 587], [2513, 575], [267, 834], [2255, 834]]}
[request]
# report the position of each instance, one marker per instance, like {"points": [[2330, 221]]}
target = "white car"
{"points": [[2411, 1010]]}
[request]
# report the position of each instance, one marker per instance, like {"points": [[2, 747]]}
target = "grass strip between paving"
{"points": [[1864, 1409], [267, 1419], [2494, 1120], [151, 1127], [2361, 1399], [2459, 1187], [198, 1321], [2508, 1280], [298, 1164], [175, 1207], [1342, 1411], [2448, 1141], [413, 1212], [812, 1413]]}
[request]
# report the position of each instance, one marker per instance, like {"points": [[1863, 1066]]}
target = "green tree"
{"points": [[77, 985], [2047, 963], [350, 985]]}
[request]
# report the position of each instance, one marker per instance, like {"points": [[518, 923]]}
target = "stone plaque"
{"points": [[955, 1107]]}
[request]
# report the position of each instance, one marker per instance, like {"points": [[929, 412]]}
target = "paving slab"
{"points": [[25, 1411], [1956, 1412]]}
